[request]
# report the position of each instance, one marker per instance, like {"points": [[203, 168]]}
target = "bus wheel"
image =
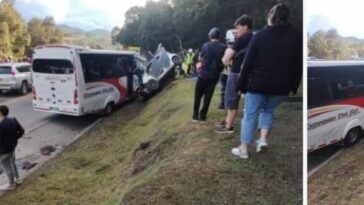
{"points": [[352, 137], [108, 109]]}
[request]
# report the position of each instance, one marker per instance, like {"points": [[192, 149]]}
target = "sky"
{"points": [[85, 14], [347, 16]]}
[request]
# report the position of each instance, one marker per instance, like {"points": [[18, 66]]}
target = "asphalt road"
{"points": [[318, 157], [42, 129]]}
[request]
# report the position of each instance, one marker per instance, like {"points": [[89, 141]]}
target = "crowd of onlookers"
{"points": [[264, 67]]}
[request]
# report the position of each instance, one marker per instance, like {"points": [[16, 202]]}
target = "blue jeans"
{"points": [[258, 111], [7, 162]]}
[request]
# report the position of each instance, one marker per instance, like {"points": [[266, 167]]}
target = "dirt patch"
{"points": [[47, 150], [145, 155]]}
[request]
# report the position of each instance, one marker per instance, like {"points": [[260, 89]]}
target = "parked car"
{"points": [[15, 76]]}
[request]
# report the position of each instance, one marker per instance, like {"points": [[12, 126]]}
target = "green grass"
{"points": [[341, 181], [152, 153]]}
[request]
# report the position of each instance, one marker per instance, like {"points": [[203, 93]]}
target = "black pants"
{"points": [[189, 68], [223, 80], [204, 88]]}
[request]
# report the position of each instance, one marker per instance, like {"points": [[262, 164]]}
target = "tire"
{"points": [[352, 137], [108, 109], [23, 90]]}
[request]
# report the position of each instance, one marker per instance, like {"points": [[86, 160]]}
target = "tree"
{"points": [[43, 31], [5, 44], [184, 24], [17, 39]]}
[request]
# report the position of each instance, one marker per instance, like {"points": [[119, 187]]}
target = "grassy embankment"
{"points": [[152, 153], [341, 181]]}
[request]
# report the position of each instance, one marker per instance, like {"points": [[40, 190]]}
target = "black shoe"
{"points": [[202, 119], [195, 119], [224, 130]]}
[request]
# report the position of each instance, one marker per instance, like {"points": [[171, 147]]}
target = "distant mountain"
{"points": [[70, 30], [352, 40], [97, 38]]}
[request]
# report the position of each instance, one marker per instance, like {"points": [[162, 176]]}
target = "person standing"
{"points": [[10, 132], [211, 54], [243, 30], [272, 68], [189, 61]]}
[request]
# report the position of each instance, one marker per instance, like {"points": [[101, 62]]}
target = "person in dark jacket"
{"points": [[211, 54], [272, 68], [10, 132]]}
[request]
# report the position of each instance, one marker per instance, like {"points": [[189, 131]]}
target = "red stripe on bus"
{"points": [[357, 101], [122, 90]]}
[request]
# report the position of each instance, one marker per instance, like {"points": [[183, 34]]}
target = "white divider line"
{"points": [[38, 126], [316, 169]]}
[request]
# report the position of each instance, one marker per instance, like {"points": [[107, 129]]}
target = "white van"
{"points": [[76, 81], [335, 103]]}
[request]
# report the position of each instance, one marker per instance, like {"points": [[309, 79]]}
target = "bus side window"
{"points": [[342, 89], [318, 94]]}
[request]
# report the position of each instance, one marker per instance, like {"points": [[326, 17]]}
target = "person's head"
{"points": [[278, 15], [4, 111], [190, 50], [214, 33], [243, 25]]}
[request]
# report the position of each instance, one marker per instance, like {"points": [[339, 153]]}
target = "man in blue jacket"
{"points": [[10, 132], [211, 54]]}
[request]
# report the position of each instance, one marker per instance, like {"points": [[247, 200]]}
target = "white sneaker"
{"points": [[262, 145], [238, 153], [18, 181], [7, 187]]}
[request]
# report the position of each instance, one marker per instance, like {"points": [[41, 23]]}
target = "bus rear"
{"points": [[55, 83]]}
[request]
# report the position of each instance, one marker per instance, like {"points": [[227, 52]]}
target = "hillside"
{"points": [[352, 40], [97, 38], [340, 182], [152, 153]]}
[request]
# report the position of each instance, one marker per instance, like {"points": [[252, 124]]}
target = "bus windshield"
{"points": [[52, 66]]}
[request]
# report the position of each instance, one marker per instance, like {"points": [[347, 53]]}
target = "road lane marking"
{"points": [[39, 125], [317, 168]]}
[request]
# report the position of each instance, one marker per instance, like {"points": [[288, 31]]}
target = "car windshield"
{"points": [[53, 66], [5, 70]]}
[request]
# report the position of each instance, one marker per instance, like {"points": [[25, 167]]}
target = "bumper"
{"points": [[65, 110]]}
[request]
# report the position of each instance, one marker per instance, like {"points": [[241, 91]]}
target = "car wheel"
{"points": [[23, 88], [108, 109], [352, 137]]}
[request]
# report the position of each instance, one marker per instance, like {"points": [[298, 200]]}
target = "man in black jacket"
{"points": [[211, 54], [272, 68], [10, 132]]}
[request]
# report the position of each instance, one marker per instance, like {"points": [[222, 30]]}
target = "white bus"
{"points": [[335, 103], [76, 81]]}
